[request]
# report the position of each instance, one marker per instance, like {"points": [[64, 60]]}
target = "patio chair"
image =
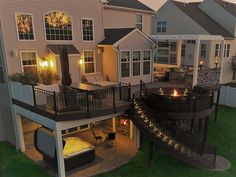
{"points": [[111, 138], [96, 138]]}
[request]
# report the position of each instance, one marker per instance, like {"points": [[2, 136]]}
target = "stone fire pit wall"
{"points": [[207, 77]]}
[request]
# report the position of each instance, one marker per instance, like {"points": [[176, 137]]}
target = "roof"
{"points": [[55, 48], [200, 17], [228, 6], [133, 4], [114, 35]]}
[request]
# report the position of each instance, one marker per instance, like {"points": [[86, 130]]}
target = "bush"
{"points": [[47, 77], [25, 78]]}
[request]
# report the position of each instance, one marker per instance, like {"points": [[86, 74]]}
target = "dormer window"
{"points": [[58, 26], [24, 23], [161, 26]]}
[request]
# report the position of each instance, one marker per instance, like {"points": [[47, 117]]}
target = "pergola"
{"points": [[198, 38]]}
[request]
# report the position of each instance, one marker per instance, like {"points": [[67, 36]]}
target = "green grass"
{"points": [[16, 164], [222, 134]]}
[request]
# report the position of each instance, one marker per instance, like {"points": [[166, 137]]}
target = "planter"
{"points": [[23, 93]]}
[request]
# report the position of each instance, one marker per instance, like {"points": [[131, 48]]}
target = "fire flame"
{"points": [[175, 93]]}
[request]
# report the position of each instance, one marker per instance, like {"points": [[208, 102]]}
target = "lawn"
{"points": [[222, 134]]}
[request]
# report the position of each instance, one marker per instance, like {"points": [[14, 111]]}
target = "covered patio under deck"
{"points": [[198, 68]]}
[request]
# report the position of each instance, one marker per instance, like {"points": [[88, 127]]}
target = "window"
{"points": [[139, 21], [203, 51], [183, 50], [24, 23], [89, 62], [227, 50], [217, 50], [166, 53], [29, 63], [136, 63], [58, 26], [146, 62], [161, 26], [125, 59], [87, 25]]}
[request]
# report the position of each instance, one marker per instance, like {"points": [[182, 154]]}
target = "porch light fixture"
{"points": [[44, 63], [81, 61], [201, 63], [216, 61]]}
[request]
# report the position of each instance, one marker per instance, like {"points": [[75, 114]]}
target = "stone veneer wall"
{"points": [[208, 77]]}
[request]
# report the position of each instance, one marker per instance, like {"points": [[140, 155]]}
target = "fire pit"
{"points": [[179, 99]]}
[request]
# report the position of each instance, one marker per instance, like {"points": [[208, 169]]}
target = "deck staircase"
{"points": [[180, 145]]}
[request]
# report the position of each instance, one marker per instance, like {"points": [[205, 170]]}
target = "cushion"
{"points": [[74, 145], [99, 78], [91, 79]]}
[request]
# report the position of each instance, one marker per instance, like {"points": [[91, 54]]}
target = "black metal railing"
{"points": [[82, 100]]}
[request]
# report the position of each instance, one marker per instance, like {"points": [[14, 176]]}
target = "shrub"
{"points": [[28, 78], [47, 77]]}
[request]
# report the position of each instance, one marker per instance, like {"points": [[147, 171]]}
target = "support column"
{"points": [[131, 131], [222, 60], [196, 62], [60, 156], [150, 153], [114, 124], [20, 133], [179, 50], [136, 137]]}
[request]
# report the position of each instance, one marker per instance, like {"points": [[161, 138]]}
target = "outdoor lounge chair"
{"points": [[76, 151], [111, 138], [98, 79], [96, 138]]}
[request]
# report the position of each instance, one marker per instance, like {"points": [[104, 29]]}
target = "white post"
{"points": [[60, 156], [131, 134], [222, 60], [114, 124], [179, 50], [136, 137], [20, 133], [196, 62]]}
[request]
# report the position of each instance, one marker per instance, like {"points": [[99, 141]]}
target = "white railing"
{"points": [[228, 96]]}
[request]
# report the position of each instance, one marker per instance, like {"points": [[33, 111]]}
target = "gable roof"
{"points": [[114, 35], [56, 48], [230, 7], [201, 18], [133, 4]]}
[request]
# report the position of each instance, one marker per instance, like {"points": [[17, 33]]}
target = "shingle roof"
{"points": [[230, 7], [114, 35], [134, 4], [200, 17], [55, 48]]}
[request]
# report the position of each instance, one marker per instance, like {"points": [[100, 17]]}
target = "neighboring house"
{"points": [[32, 38], [205, 18]]}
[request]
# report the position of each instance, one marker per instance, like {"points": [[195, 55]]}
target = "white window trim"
{"points": [[94, 61], [217, 50], [22, 66], [125, 62], [161, 26], [17, 31], [136, 20], [140, 63], [207, 47], [81, 24], [226, 49], [58, 41], [151, 61]]}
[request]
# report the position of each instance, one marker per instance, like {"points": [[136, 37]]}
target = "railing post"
{"points": [[129, 92], [113, 97], [141, 88], [87, 100], [34, 97], [120, 91], [55, 102]]}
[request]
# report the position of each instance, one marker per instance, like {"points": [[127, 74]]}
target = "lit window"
{"points": [[125, 59], [161, 26], [139, 21], [203, 51], [58, 26], [217, 50], [89, 62], [87, 25], [136, 63], [24, 24], [29, 62], [146, 62], [227, 50]]}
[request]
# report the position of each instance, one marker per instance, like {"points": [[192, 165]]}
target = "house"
{"points": [[180, 24], [81, 36]]}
